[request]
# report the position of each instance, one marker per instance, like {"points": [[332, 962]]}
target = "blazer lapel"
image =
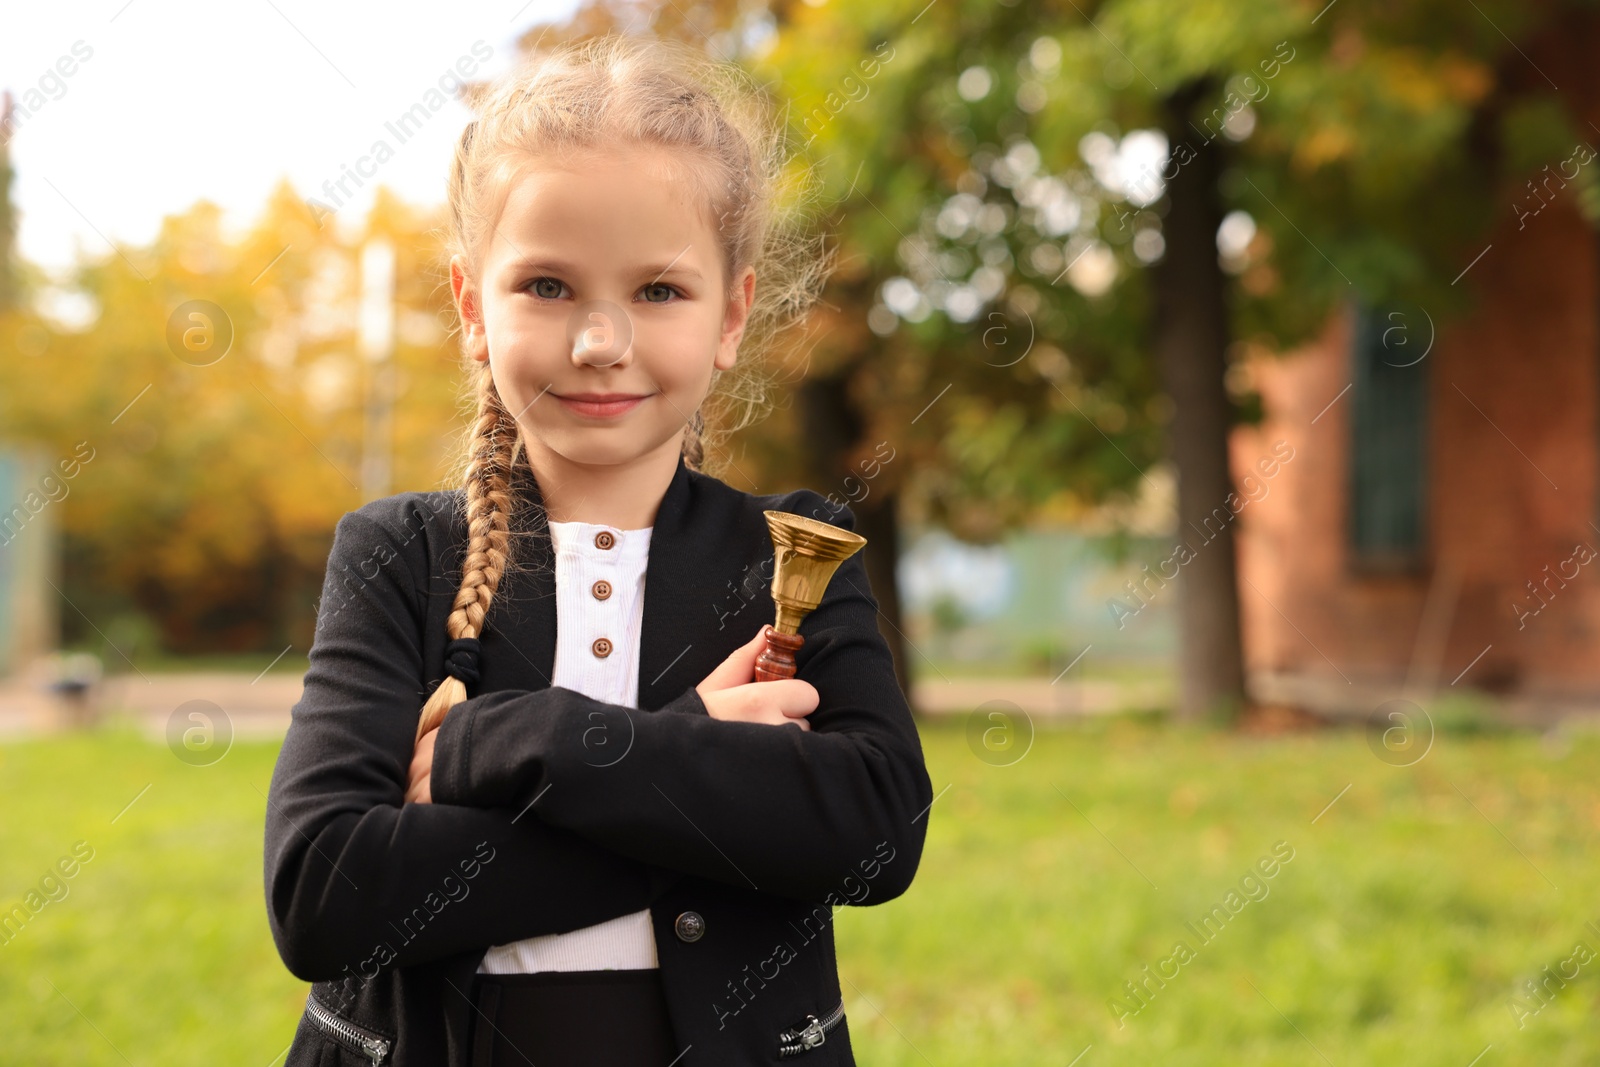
{"points": [[664, 639], [532, 628]]}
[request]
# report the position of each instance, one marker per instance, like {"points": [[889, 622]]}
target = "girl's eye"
{"points": [[538, 287], [661, 288]]}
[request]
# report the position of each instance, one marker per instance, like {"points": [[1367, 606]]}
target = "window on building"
{"points": [[1388, 449]]}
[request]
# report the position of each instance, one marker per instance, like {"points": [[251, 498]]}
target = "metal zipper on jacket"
{"points": [[812, 1034], [348, 1034]]}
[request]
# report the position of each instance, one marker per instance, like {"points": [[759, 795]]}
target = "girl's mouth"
{"points": [[601, 406]]}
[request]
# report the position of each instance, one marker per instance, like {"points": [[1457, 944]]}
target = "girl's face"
{"points": [[601, 306]]}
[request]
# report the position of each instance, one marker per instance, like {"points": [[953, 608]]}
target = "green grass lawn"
{"points": [[1396, 934]]}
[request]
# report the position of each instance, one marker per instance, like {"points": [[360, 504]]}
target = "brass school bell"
{"points": [[806, 552]]}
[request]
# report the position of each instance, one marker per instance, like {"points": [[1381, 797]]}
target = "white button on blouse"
{"points": [[599, 615]]}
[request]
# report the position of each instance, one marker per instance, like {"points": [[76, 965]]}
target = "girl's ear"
{"points": [[474, 340], [740, 296]]}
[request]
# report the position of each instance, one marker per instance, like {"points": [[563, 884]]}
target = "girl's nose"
{"points": [[602, 337]]}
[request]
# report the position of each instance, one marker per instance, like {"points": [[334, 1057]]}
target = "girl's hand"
{"points": [[419, 788], [731, 692]]}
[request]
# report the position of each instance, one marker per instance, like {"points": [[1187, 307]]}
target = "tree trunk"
{"points": [[832, 430], [1191, 342]]}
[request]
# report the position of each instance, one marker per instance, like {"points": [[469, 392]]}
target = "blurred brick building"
{"points": [[1438, 526]]}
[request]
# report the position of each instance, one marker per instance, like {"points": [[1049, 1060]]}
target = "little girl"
{"points": [[538, 811]]}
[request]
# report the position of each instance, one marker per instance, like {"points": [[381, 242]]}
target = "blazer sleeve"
{"points": [[773, 808], [355, 877]]}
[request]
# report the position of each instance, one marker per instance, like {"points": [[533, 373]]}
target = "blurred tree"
{"points": [[227, 435], [1354, 152], [948, 335], [1352, 157]]}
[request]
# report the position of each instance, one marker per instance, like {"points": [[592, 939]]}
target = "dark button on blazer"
{"points": [[553, 811]]}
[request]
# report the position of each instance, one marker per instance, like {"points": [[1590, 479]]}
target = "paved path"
{"points": [[259, 707], [256, 707]]}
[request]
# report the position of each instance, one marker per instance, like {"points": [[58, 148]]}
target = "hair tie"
{"points": [[461, 659]]}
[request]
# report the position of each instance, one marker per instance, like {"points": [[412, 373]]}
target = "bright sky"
{"points": [[180, 100]]}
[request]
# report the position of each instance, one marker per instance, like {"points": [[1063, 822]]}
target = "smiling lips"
{"points": [[601, 405]]}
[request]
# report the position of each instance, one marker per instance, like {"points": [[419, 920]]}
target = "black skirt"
{"points": [[612, 1018]]}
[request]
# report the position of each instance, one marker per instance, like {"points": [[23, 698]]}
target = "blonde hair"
{"points": [[587, 94]]}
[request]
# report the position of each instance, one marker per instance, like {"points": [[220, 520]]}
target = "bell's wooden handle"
{"points": [[777, 659]]}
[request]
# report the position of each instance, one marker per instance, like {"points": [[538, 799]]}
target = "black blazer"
{"points": [[553, 811]]}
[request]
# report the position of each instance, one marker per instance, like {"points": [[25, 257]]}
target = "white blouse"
{"points": [[600, 613]]}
